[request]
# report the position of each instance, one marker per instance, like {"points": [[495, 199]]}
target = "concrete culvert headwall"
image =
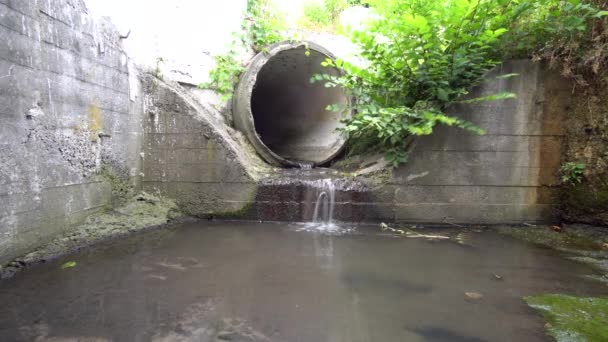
{"points": [[282, 114]]}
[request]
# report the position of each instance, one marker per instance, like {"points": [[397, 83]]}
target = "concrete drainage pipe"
{"points": [[282, 114]]}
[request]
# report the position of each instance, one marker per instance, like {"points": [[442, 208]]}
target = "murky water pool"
{"points": [[275, 282]]}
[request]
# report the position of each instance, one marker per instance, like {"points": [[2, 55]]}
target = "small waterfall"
{"points": [[319, 200], [325, 201], [322, 218]]}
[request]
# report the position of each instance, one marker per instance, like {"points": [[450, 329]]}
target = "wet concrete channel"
{"points": [[242, 281]]}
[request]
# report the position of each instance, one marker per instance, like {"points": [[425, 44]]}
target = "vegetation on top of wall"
{"points": [[322, 15], [420, 57], [583, 57], [570, 34], [262, 25]]}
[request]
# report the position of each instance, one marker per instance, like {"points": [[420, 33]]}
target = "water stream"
{"points": [[251, 282]]}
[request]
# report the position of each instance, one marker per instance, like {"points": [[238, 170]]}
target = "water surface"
{"points": [[276, 282]]}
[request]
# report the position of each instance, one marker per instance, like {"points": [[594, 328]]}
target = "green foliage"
{"points": [[420, 57], [572, 173], [559, 31], [263, 25], [573, 318], [226, 73], [322, 15]]}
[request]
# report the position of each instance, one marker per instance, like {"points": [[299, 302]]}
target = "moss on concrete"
{"points": [[573, 318], [140, 212], [240, 214], [122, 189], [584, 203], [567, 239]]}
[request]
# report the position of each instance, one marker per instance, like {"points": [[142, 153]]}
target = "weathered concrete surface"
{"points": [[67, 110], [192, 156], [508, 175], [138, 213], [282, 114], [73, 127]]}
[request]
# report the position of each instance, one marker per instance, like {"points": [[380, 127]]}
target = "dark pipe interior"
{"points": [[289, 112]]}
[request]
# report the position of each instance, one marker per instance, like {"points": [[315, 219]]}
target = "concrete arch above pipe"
{"points": [[282, 114]]}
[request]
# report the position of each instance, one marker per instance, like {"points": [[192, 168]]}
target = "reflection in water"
{"points": [[372, 282], [271, 282], [438, 334]]}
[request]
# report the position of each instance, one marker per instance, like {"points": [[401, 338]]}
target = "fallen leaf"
{"points": [[68, 264], [473, 295]]}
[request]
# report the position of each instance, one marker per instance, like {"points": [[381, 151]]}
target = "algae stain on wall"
{"points": [[95, 120]]}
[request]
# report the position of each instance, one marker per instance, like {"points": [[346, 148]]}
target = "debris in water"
{"points": [[410, 233], [473, 295], [172, 266], [385, 227], [68, 264]]}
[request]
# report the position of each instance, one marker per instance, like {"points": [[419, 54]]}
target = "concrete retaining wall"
{"points": [[67, 108], [71, 108], [508, 175], [192, 156]]}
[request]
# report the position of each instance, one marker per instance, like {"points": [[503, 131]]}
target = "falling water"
{"points": [[322, 218], [326, 202], [325, 199]]}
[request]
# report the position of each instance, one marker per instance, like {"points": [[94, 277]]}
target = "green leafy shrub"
{"points": [[567, 33], [572, 173], [263, 25], [226, 73], [322, 15], [420, 57]]}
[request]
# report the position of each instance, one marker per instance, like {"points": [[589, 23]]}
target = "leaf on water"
{"points": [[68, 264]]}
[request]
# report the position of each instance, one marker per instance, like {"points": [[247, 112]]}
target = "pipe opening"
{"points": [[288, 112]]}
